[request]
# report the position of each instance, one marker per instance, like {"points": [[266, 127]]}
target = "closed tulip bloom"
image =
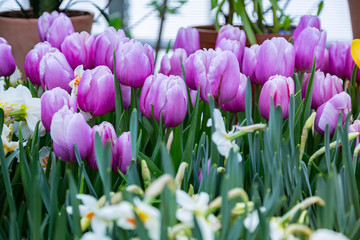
{"points": [[33, 58], [232, 33], [104, 47], [249, 62], [233, 46], [217, 72], [107, 134], [328, 112], [305, 22], [276, 56], [309, 44], [54, 28], [171, 65], [337, 58], [78, 49], [134, 63], [7, 61], [69, 128], [54, 100], [238, 103], [188, 39], [164, 93], [96, 92], [123, 153], [325, 64], [278, 88], [355, 127], [324, 87], [349, 66], [55, 71]]}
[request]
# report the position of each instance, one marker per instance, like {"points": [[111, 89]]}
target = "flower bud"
{"points": [[325, 64], [349, 66], [234, 47], [305, 22], [188, 39], [337, 58], [238, 103], [232, 33], [7, 61], [123, 157], [249, 62], [172, 65]]}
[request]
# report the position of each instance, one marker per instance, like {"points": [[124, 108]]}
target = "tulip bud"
{"points": [[33, 58], [234, 47], [249, 62], [52, 101], [349, 66], [324, 88], [134, 63], [188, 39], [96, 92], [337, 58], [278, 89], [328, 112], [355, 127], [54, 28], [163, 93], [232, 33], [309, 44], [107, 134], [7, 61], [78, 49], [104, 47], [123, 157], [172, 65], [305, 22], [217, 72], [276, 56], [325, 64], [55, 71], [69, 128], [238, 103]]}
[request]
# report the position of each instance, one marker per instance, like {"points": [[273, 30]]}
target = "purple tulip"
{"points": [[7, 61], [78, 49], [324, 87], [172, 65], [234, 47], [278, 88], [249, 62], [123, 157], [188, 39], [54, 28], [164, 93], [337, 58], [305, 22], [125, 96], [325, 64], [107, 134], [55, 71], [54, 100], [309, 44], [69, 128], [238, 103], [276, 56], [134, 63], [232, 33], [193, 95], [355, 127], [104, 47], [96, 92], [217, 72], [33, 58], [328, 112]]}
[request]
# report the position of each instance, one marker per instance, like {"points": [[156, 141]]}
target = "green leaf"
{"points": [[75, 206], [308, 98], [152, 167], [246, 22], [118, 101], [167, 163], [320, 7], [133, 133]]}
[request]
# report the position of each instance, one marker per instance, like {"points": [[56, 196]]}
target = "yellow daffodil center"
{"points": [[143, 217], [77, 80], [90, 215]]}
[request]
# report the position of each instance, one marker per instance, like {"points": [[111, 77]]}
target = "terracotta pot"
{"points": [[208, 36], [22, 33]]}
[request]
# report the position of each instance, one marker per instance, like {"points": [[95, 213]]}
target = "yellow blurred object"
{"points": [[355, 51]]}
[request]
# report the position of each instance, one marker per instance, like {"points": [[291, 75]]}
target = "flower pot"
{"points": [[208, 36], [22, 33]]}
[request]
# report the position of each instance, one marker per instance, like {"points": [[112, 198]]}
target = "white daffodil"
{"points": [[15, 79], [6, 135], [277, 232], [196, 206], [252, 220], [326, 234], [44, 157], [2, 86], [74, 84]]}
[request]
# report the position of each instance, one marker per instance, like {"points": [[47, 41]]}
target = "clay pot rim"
{"points": [[211, 28], [82, 14]]}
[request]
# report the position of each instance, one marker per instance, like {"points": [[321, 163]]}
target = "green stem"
{"points": [[275, 21], [231, 12]]}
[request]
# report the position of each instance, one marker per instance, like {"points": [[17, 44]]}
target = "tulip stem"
{"points": [[134, 98], [7, 82]]}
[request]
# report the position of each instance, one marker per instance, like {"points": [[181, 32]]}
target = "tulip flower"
{"points": [[54, 100], [324, 87], [249, 62], [33, 58], [188, 39], [328, 112], [96, 91], [78, 49], [305, 22], [337, 58], [69, 128], [172, 65], [104, 47], [278, 89], [55, 71], [349, 65], [217, 72], [7, 61], [123, 157], [134, 63], [54, 28], [309, 44], [325, 64], [163, 93], [355, 127], [232, 33], [234, 47], [355, 51], [107, 134], [275, 56], [238, 103]]}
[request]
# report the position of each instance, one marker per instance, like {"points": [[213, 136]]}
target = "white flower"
{"points": [[2, 86], [326, 234], [74, 84], [15, 78], [252, 220], [44, 157], [6, 135]]}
